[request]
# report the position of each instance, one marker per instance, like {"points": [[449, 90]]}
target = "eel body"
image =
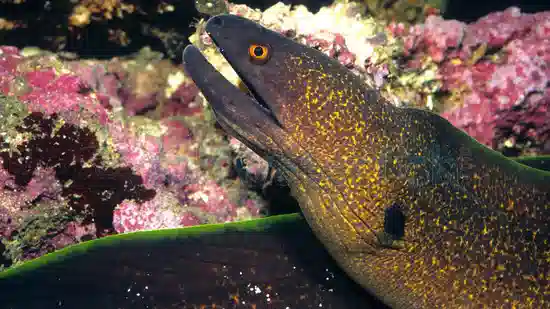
{"points": [[273, 262], [411, 208]]}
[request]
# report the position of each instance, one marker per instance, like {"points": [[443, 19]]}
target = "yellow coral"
{"points": [[173, 81], [82, 13], [80, 16], [7, 24]]}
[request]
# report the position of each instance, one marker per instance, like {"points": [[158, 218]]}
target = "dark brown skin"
{"points": [[475, 231]]}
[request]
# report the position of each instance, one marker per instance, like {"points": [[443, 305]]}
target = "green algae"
{"points": [[106, 151], [12, 114], [48, 220], [418, 87], [19, 86]]}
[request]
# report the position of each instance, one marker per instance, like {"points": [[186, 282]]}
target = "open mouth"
{"points": [[213, 84], [244, 83], [243, 114], [251, 91], [248, 89], [222, 95]]}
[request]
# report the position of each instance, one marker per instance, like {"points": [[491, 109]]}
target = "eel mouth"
{"points": [[245, 115], [193, 57]]}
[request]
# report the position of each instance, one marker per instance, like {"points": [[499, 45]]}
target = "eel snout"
{"points": [[237, 112]]}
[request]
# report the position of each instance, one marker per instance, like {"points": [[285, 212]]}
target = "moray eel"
{"points": [[423, 218], [410, 207]]}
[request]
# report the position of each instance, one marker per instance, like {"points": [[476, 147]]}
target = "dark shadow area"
{"points": [[47, 26], [471, 10], [4, 261], [280, 200], [312, 5]]}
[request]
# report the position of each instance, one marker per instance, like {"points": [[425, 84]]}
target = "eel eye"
{"points": [[259, 53]]}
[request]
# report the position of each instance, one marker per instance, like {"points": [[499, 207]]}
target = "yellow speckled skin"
{"points": [[476, 229]]}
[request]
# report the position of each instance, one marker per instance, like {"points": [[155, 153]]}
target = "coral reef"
{"points": [[92, 147], [494, 74], [489, 77]]}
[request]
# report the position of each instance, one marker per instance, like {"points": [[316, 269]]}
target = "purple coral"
{"points": [[154, 214], [332, 44], [500, 68], [131, 85]]}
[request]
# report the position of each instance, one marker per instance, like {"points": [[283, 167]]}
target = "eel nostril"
{"points": [[217, 21]]}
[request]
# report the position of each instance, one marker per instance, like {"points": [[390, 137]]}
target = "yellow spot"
{"points": [[456, 61], [510, 205]]}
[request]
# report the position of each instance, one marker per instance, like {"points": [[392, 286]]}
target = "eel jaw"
{"points": [[237, 112]]}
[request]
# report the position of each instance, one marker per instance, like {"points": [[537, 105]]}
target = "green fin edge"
{"points": [[509, 164], [80, 248], [532, 158]]}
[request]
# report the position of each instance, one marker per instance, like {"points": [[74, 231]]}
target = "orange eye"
{"points": [[258, 53]]}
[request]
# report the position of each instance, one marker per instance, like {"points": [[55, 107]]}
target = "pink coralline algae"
{"points": [[332, 44], [154, 214], [497, 71], [130, 83], [79, 160]]}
